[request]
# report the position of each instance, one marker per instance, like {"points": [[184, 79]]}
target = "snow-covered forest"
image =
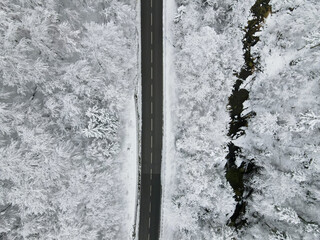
{"points": [[68, 71], [246, 121], [283, 137]]}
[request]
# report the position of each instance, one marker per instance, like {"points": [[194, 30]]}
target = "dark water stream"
{"points": [[238, 176]]}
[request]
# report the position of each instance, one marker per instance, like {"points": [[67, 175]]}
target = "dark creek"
{"points": [[238, 177]]}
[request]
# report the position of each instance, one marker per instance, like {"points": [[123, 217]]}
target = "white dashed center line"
{"points": [[151, 122], [151, 36]]}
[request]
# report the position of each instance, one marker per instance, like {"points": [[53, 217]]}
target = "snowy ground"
{"points": [[168, 154], [138, 122], [129, 156]]}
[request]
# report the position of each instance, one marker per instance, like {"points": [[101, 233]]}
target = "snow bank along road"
{"points": [[152, 86]]}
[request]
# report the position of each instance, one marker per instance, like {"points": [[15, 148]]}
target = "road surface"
{"points": [[152, 86]]}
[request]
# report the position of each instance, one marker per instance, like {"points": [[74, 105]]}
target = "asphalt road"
{"points": [[152, 120]]}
